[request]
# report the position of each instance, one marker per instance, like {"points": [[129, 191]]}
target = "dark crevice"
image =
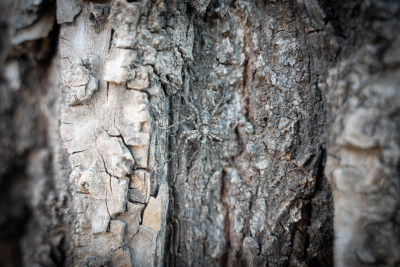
{"points": [[111, 39], [13, 226]]}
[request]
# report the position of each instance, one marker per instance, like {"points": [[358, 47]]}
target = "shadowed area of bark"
{"points": [[34, 196]]}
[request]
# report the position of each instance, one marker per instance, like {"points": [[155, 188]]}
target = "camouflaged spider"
{"points": [[203, 126]]}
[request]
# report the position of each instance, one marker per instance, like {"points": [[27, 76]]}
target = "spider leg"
{"points": [[193, 108], [215, 135], [176, 124], [217, 107], [186, 136], [193, 156], [206, 153], [190, 135]]}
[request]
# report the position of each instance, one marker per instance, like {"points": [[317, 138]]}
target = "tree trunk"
{"points": [[200, 133]]}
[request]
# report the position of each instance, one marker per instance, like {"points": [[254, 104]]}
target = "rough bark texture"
{"points": [[34, 189], [195, 133], [364, 154]]}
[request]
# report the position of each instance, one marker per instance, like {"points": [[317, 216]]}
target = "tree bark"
{"points": [[363, 158], [195, 133], [34, 186]]}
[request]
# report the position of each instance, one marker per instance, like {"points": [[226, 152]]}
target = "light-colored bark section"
{"points": [[363, 161], [117, 65], [106, 127], [364, 153]]}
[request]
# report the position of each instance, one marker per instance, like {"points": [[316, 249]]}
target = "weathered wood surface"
{"points": [[195, 133]]}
